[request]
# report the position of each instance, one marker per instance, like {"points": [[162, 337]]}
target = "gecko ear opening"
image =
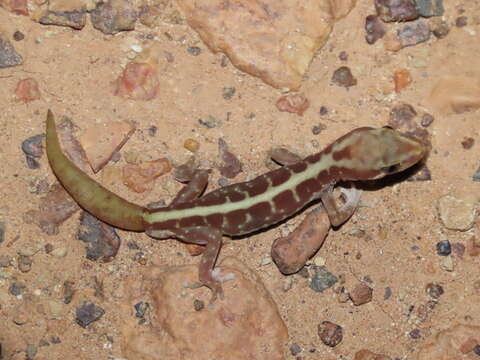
{"points": [[390, 169]]}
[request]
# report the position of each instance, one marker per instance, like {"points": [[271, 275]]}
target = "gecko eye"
{"points": [[390, 169]]}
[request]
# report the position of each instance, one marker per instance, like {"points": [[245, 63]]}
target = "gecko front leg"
{"points": [[338, 215]]}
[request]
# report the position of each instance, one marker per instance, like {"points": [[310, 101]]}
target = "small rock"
{"points": [[323, 111], [434, 290], [295, 349], [191, 145], [5, 261], [476, 350], [343, 77], [152, 130], [439, 28], [473, 247], [468, 345], [458, 249], [211, 122], [414, 33], [56, 308], [75, 19], [331, 334], [228, 92], [343, 56], [374, 28], [33, 149], [396, 10], [361, 294], [18, 36], [293, 103], [2, 231], [141, 308], [139, 81], [59, 252], [401, 79], [27, 90], [194, 50], [21, 315], [427, 120], [387, 294], [468, 142], [113, 16], [68, 291], [415, 334], [322, 279], [475, 177], [31, 351], [16, 288], [447, 263], [423, 174], [24, 263], [444, 248], [88, 313], [402, 116], [140, 178], [8, 56], [198, 305], [461, 21], [365, 354], [457, 213], [428, 8], [102, 239]]}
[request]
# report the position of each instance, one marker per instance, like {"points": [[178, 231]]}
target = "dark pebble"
{"points": [[16, 288], [444, 248], [396, 10], [468, 143], [388, 293], [322, 279], [428, 8], [476, 350], [343, 56], [401, 115], [55, 340], [132, 245], [31, 351], [415, 334], [18, 36], [423, 174], [458, 249], [228, 92], [323, 111], [152, 130], [434, 290], [475, 177], [461, 21], [2, 231], [295, 349], [210, 123], [68, 291], [414, 33], [8, 56], [440, 29], [194, 50], [24, 263], [331, 334], [110, 19], [343, 77], [317, 129], [33, 148], [141, 308], [374, 28], [427, 120], [88, 313], [198, 305]]}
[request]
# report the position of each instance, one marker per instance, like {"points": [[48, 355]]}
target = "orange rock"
{"points": [[293, 103], [18, 7], [369, 355], [244, 325], [139, 81], [273, 40], [27, 90], [140, 177], [401, 79]]}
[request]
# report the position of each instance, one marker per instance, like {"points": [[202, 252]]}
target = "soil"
{"points": [[396, 253]]}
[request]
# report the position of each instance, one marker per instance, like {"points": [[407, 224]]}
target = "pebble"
{"points": [[20, 316], [388, 293], [434, 290], [2, 231], [396, 10], [24, 263], [295, 349], [5, 261], [18, 36], [16, 288], [401, 79], [31, 351], [444, 248], [56, 309], [461, 21], [322, 279], [414, 33], [447, 263], [468, 142], [191, 145], [374, 28], [59, 252], [475, 177], [476, 350], [323, 111], [427, 120], [401, 116], [228, 92], [33, 149], [415, 334], [331, 334], [88, 313], [111, 17], [343, 77], [458, 249], [141, 308], [8, 56], [293, 103], [457, 213], [361, 294], [194, 50], [440, 28], [198, 305], [427, 8]]}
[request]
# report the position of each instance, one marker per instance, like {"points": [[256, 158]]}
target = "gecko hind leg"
{"points": [[212, 238], [194, 188]]}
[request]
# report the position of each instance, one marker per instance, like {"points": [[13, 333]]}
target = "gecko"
{"points": [[239, 209]]}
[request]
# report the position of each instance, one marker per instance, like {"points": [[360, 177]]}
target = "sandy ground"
{"points": [[398, 251]]}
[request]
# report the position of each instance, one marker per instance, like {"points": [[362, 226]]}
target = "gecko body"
{"points": [[238, 209]]}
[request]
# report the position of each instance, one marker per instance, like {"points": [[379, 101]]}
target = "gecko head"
{"points": [[368, 153]]}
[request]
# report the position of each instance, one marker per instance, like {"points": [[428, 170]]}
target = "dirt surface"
{"points": [[390, 243]]}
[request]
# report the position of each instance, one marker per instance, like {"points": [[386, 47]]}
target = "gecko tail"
{"points": [[89, 194]]}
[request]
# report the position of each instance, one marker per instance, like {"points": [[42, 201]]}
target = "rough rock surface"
{"points": [[273, 40], [247, 318]]}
